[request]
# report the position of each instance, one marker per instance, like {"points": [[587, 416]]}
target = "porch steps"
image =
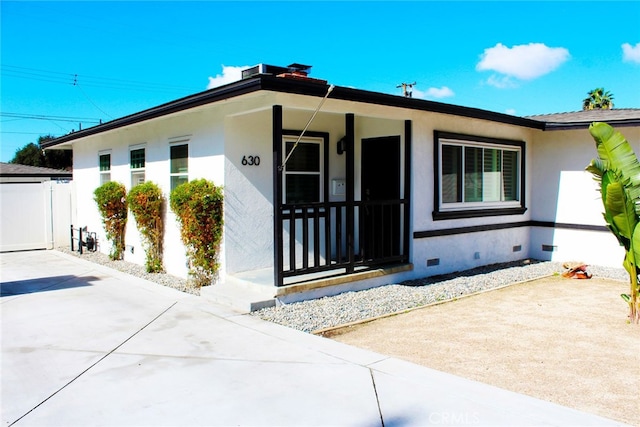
{"points": [[240, 295]]}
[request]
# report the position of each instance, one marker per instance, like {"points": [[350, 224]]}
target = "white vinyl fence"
{"points": [[35, 215]]}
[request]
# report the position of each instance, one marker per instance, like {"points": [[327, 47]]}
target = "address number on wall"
{"points": [[250, 160]]}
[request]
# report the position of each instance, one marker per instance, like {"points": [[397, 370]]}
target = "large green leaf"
{"points": [[608, 178], [635, 245], [618, 171], [617, 154], [597, 168], [620, 209]]}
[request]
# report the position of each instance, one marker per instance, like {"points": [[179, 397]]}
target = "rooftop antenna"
{"points": [[405, 92]]}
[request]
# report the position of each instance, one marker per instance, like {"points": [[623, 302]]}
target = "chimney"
{"points": [[300, 72], [294, 71]]}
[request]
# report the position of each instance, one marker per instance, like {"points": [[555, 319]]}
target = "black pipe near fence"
{"points": [[84, 238]]}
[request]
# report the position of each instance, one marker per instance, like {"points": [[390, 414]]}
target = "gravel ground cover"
{"points": [[328, 312], [135, 270], [348, 307]]}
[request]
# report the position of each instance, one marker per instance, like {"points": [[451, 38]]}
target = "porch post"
{"points": [[350, 190], [278, 263], [407, 190]]}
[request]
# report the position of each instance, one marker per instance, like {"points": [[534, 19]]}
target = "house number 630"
{"points": [[250, 160]]}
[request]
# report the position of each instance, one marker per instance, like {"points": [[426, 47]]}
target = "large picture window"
{"points": [[477, 176], [303, 171]]}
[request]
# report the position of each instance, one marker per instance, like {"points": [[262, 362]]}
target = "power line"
{"points": [[50, 118], [27, 133], [75, 83], [87, 80]]}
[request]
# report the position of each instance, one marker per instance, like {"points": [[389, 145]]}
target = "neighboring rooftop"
{"points": [[615, 117], [16, 170]]}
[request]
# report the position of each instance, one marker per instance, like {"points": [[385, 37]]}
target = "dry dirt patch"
{"points": [[561, 340]]}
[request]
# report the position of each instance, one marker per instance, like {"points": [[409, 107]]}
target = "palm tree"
{"points": [[598, 99]]}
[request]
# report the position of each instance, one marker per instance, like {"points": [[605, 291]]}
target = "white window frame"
{"points": [[185, 174], [480, 205], [105, 176], [136, 173], [320, 173]]}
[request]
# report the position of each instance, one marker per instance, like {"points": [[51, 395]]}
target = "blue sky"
{"points": [[66, 63]]}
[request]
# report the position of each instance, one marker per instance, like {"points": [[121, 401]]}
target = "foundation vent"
{"points": [[517, 248], [549, 248], [433, 262]]}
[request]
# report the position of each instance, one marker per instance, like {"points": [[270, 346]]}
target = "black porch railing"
{"points": [[317, 237]]}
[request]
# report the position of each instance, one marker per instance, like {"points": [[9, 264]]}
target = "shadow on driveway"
{"points": [[21, 287]]}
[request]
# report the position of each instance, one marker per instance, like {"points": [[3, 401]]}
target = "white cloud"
{"points": [[433, 92], [631, 53], [229, 74], [501, 82], [522, 62], [510, 111]]}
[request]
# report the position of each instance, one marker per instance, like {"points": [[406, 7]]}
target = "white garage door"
{"points": [[25, 208]]}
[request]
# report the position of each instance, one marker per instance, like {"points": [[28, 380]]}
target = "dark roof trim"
{"points": [[617, 117], [295, 86], [196, 100], [585, 125]]}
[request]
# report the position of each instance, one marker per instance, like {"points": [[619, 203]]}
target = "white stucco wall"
{"points": [[461, 252], [248, 192], [565, 193], [221, 134], [199, 130]]}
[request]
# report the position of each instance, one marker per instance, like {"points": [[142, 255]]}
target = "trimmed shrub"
{"points": [[146, 203], [112, 204], [198, 206]]}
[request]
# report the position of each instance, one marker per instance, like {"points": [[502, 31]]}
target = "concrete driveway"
{"points": [[83, 345]]}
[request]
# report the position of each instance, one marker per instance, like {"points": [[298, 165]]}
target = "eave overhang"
{"points": [[293, 86]]}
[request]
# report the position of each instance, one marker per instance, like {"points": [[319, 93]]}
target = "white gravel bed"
{"points": [[135, 270], [327, 312]]}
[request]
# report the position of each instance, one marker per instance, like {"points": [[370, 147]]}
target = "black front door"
{"points": [[380, 210]]}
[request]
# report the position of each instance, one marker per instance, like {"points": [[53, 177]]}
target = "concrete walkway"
{"points": [[83, 345]]}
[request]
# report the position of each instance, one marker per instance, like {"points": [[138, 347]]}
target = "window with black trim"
{"points": [[104, 161], [303, 171], [137, 165], [477, 176]]}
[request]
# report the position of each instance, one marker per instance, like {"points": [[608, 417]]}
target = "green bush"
{"points": [[146, 203], [198, 206], [112, 204]]}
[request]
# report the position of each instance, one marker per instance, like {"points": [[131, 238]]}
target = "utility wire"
{"points": [[88, 80], [48, 117], [76, 84], [281, 167]]}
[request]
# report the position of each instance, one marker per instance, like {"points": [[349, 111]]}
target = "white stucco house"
{"points": [[379, 188]]}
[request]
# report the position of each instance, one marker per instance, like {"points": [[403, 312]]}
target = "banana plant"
{"points": [[617, 170]]}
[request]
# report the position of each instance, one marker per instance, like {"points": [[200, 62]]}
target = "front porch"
{"points": [[321, 233]]}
